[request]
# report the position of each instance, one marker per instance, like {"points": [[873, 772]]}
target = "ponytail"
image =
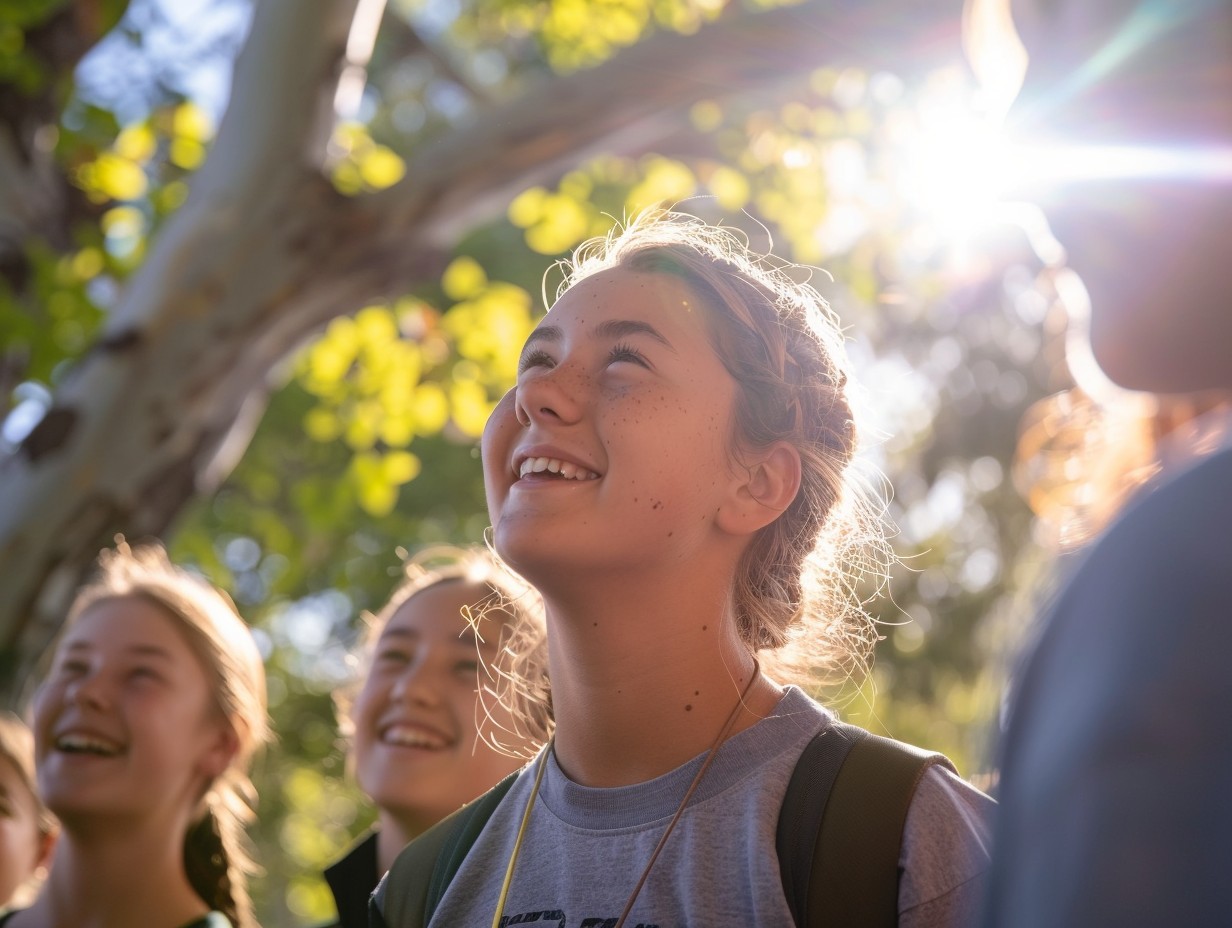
{"points": [[216, 858]]}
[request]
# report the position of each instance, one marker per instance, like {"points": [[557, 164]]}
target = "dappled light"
{"points": [[355, 331]]}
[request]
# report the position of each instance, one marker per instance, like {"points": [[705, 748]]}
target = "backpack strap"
{"points": [[408, 895], [852, 796], [803, 805]]}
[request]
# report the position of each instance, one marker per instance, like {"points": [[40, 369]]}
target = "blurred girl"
{"points": [[27, 829], [423, 739], [671, 472], [144, 728]]}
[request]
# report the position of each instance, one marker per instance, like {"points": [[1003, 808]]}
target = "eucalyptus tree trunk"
{"points": [[265, 252]]}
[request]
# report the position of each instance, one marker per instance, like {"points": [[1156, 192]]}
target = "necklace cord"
{"points": [[517, 844], [697, 779], [684, 802]]}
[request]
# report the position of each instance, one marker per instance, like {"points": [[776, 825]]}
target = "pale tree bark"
{"points": [[265, 252]]}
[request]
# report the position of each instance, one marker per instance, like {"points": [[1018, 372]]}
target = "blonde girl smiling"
{"points": [[144, 728]]}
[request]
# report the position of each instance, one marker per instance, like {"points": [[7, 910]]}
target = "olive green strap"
{"points": [[855, 865], [411, 891]]}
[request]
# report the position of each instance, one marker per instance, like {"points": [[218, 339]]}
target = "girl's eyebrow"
{"points": [[545, 333], [623, 328], [145, 650], [150, 650], [612, 328], [410, 634]]}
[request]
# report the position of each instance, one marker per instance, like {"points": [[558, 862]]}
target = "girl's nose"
{"points": [[90, 691], [555, 396], [418, 683]]}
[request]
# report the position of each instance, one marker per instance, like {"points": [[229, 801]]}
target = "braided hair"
{"points": [[798, 587]]}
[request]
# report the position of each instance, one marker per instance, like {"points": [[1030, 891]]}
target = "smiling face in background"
{"points": [[21, 838], [613, 450], [417, 751], [126, 723]]}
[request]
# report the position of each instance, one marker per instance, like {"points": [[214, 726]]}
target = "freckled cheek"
{"points": [[502, 423], [494, 451]]}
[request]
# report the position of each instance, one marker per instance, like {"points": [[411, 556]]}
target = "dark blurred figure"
{"points": [[1116, 763]]}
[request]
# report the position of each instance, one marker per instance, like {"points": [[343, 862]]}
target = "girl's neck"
{"points": [[643, 683], [393, 835], [117, 875]]}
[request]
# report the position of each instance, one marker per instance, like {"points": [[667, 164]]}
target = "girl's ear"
{"points": [[46, 849], [766, 484], [220, 751]]}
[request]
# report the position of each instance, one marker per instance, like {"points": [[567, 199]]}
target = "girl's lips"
{"points": [[563, 469], [411, 735], [79, 742], [553, 463]]}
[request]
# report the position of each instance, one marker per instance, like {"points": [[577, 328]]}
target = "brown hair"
{"points": [[797, 589], [216, 859]]}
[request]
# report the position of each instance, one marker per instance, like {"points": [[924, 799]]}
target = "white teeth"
{"points": [[86, 744], [412, 737], [565, 469]]}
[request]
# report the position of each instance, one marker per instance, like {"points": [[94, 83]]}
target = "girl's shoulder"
{"points": [[949, 820]]}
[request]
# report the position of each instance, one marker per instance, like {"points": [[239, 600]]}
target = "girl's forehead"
{"points": [[627, 289], [437, 611], [591, 306], [125, 622]]}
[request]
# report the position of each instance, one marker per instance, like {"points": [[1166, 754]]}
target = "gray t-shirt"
{"points": [[585, 848]]}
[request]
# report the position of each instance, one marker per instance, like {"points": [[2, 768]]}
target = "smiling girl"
{"points": [[672, 473], [144, 728], [424, 739], [27, 829]]}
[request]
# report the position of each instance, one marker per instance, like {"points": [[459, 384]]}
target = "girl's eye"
{"points": [[467, 669], [73, 668], [144, 673], [393, 657], [534, 358], [627, 353]]}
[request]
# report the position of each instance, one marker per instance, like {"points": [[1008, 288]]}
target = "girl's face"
{"points": [[21, 842], [125, 724], [613, 449], [417, 752]]}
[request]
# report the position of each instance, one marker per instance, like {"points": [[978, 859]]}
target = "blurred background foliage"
{"points": [[367, 450]]}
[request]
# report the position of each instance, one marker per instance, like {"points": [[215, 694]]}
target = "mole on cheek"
{"points": [[688, 707]]}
